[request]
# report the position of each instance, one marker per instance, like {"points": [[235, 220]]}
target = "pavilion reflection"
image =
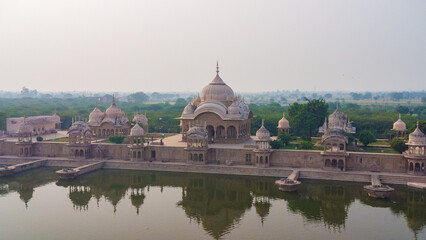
{"points": [[218, 203], [25, 183]]}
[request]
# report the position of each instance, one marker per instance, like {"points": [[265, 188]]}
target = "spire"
{"points": [[263, 121], [113, 99], [217, 67], [417, 123], [399, 115], [283, 114], [337, 106], [96, 103]]}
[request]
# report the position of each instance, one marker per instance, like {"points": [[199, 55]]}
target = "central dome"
{"points": [[217, 90]]}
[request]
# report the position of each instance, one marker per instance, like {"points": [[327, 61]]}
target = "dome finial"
{"points": [[399, 115], [263, 121], [417, 123], [217, 67]]}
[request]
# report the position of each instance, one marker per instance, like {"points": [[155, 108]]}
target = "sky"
{"points": [[173, 45]]}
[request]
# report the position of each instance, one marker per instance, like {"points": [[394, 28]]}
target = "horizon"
{"points": [[169, 46]]}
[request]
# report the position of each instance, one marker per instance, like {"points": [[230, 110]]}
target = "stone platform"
{"points": [[279, 172]]}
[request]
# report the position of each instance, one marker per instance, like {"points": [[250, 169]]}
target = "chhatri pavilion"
{"points": [[226, 116], [109, 123]]}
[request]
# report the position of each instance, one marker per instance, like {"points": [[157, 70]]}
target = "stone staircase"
{"points": [[399, 179], [338, 176]]}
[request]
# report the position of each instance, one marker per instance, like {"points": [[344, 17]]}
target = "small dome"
{"points": [[233, 109], [189, 109], [197, 132], [399, 125], [263, 133], [417, 137], [79, 127], [95, 117], [283, 123], [137, 131], [197, 100], [140, 119], [25, 128]]}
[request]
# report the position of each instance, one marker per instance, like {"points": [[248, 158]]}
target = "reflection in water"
{"points": [[219, 202]]}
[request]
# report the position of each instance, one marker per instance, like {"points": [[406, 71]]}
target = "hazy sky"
{"points": [[173, 45]]}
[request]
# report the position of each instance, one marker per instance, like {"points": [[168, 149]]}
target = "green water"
{"points": [[115, 204]]}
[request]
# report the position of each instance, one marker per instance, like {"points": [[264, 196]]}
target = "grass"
{"points": [[380, 144], [61, 140]]}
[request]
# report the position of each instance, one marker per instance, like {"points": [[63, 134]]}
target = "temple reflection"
{"points": [[24, 183], [218, 203]]}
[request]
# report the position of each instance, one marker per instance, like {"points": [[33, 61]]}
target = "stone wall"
{"points": [[376, 162], [280, 158], [296, 159]]}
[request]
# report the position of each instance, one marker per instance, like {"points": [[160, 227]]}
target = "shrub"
{"points": [[366, 137], [117, 139], [39, 139], [275, 144], [306, 144], [285, 138], [398, 145]]}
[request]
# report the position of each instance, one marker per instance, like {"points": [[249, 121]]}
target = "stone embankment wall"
{"points": [[280, 158]]}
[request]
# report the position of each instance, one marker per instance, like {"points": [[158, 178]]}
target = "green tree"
{"points": [[306, 118], [398, 145], [139, 97], [366, 137], [285, 138], [403, 109]]}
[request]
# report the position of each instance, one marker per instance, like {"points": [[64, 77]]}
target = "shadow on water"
{"points": [[219, 202]]}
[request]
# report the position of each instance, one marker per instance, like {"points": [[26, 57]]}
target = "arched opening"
{"points": [[139, 155], [261, 160], [81, 153], [417, 167], [334, 163], [340, 164], [411, 166], [327, 163], [190, 156], [341, 147], [220, 132], [134, 154], [231, 132], [195, 157], [266, 160], [76, 153], [201, 157], [210, 131]]}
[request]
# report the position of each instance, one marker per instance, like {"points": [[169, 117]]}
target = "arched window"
{"points": [[231, 132]]}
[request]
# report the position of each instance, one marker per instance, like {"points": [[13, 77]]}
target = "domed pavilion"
{"points": [[227, 117], [400, 128], [109, 123], [334, 140], [263, 149], [136, 146], [283, 125], [416, 153]]}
